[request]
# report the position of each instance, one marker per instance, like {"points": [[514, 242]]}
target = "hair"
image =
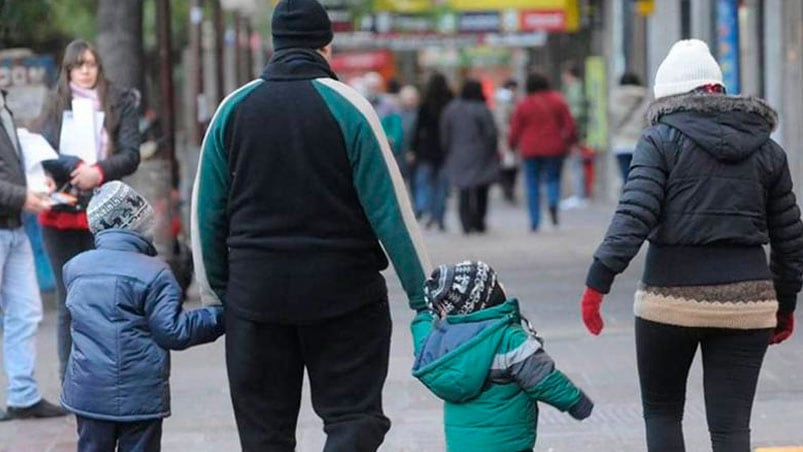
{"points": [[630, 78], [437, 94], [393, 86], [472, 90], [536, 82], [63, 96], [573, 69]]}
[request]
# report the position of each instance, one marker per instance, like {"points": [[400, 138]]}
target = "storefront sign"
{"points": [[543, 20], [480, 22], [27, 80]]}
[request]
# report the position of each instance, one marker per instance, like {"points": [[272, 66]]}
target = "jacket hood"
{"points": [[731, 128], [297, 64], [123, 240], [457, 356]]}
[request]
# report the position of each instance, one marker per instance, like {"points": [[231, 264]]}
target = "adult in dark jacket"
{"points": [[20, 302], [543, 131], [708, 188], [65, 231], [296, 188], [469, 137], [126, 314], [431, 186]]}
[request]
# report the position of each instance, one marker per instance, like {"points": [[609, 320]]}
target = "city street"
{"points": [[546, 271]]}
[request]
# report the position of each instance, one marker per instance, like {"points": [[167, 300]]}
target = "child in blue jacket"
{"points": [[126, 314]]}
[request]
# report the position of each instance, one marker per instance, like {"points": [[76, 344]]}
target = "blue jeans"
{"points": [[431, 188], [22, 309], [533, 167]]}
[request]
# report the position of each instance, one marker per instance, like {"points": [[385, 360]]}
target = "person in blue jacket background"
{"points": [[126, 315]]}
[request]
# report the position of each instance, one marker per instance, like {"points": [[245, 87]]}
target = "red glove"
{"points": [[590, 308], [786, 324]]}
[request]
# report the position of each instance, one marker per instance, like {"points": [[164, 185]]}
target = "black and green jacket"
{"points": [[490, 371], [295, 191]]}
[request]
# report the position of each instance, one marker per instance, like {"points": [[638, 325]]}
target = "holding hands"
{"points": [[86, 177]]}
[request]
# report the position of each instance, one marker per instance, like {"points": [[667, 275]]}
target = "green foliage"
{"points": [[40, 24]]}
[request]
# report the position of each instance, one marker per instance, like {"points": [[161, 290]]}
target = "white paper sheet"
{"points": [[35, 149], [80, 131]]}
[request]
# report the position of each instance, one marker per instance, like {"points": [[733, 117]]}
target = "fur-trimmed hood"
{"points": [[730, 128]]}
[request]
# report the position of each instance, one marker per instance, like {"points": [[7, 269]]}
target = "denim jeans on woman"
{"points": [[731, 363], [533, 167], [22, 309], [431, 189]]}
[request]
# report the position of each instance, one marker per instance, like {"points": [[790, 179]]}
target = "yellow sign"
{"points": [[645, 7], [481, 5], [403, 6]]}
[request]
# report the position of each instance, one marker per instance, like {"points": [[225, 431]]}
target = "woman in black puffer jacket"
{"points": [[708, 188]]}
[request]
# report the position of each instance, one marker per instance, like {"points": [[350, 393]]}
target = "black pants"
{"points": [[473, 208], [507, 180], [106, 436], [61, 246], [731, 363], [347, 362]]}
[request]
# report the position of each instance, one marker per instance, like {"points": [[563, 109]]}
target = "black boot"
{"points": [[553, 214]]}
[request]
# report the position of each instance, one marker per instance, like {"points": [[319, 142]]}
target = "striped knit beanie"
{"points": [[115, 205], [462, 288]]}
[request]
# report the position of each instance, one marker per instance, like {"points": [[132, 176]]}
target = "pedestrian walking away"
{"points": [[543, 131], [431, 186], [708, 188], [297, 186], [475, 351], [628, 119], [123, 296], [469, 139], [574, 92], [65, 232], [20, 302], [507, 97]]}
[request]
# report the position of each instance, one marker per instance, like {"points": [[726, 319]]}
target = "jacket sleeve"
{"points": [[379, 186], [12, 196], [491, 132], [534, 371], [171, 327], [446, 129], [786, 238], [568, 125], [420, 328], [636, 215], [516, 127], [125, 159]]}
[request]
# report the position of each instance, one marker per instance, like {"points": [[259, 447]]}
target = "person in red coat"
{"points": [[543, 131]]}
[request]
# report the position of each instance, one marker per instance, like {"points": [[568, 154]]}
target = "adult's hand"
{"points": [[86, 177], [35, 203], [784, 329], [592, 300]]}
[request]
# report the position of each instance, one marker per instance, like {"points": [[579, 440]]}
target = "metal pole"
{"points": [[166, 86], [196, 79], [217, 18], [238, 57]]}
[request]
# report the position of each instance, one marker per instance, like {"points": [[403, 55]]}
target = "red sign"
{"points": [[543, 20], [362, 61]]}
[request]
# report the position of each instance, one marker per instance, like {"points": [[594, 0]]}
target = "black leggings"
{"points": [[473, 207], [731, 364]]}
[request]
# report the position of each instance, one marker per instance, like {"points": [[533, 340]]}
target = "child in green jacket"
{"points": [[473, 352]]}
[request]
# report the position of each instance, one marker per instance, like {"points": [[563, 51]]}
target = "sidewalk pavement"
{"points": [[546, 272]]}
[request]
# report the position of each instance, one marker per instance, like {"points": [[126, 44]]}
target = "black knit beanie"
{"points": [[463, 288], [301, 24]]}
